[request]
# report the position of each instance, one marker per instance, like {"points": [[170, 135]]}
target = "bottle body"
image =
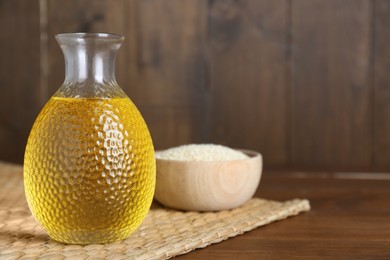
{"points": [[89, 168]]}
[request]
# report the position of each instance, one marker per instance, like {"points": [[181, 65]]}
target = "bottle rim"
{"points": [[82, 36]]}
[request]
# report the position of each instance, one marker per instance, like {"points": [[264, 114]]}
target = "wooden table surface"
{"points": [[350, 219]]}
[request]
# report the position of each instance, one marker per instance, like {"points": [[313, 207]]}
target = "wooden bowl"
{"points": [[207, 185]]}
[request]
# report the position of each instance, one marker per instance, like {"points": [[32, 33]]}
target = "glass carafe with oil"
{"points": [[89, 168]]}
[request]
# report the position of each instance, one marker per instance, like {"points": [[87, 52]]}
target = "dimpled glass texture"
{"points": [[89, 167]]}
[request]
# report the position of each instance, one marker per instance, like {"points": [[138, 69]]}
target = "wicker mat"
{"points": [[164, 233]]}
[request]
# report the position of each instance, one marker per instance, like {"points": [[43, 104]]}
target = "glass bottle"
{"points": [[89, 167]]}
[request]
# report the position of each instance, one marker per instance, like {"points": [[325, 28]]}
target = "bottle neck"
{"points": [[89, 64]]}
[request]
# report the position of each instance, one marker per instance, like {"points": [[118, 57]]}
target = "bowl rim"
{"points": [[253, 155]]}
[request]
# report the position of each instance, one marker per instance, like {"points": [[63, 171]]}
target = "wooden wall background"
{"points": [[305, 82]]}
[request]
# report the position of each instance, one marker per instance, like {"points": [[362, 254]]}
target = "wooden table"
{"points": [[350, 219]]}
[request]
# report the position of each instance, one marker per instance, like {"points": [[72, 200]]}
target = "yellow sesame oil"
{"points": [[89, 169]]}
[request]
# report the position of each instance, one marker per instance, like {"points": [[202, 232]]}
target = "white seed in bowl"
{"points": [[201, 152]]}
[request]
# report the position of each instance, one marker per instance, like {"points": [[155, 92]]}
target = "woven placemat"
{"points": [[164, 233]]}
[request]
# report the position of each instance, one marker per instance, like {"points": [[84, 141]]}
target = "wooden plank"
{"points": [[129, 72], [249, 85], [173, 125], [170, 88], [20, 91], [348, 220], [331, 80], [382, 84], [84, 16]]}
